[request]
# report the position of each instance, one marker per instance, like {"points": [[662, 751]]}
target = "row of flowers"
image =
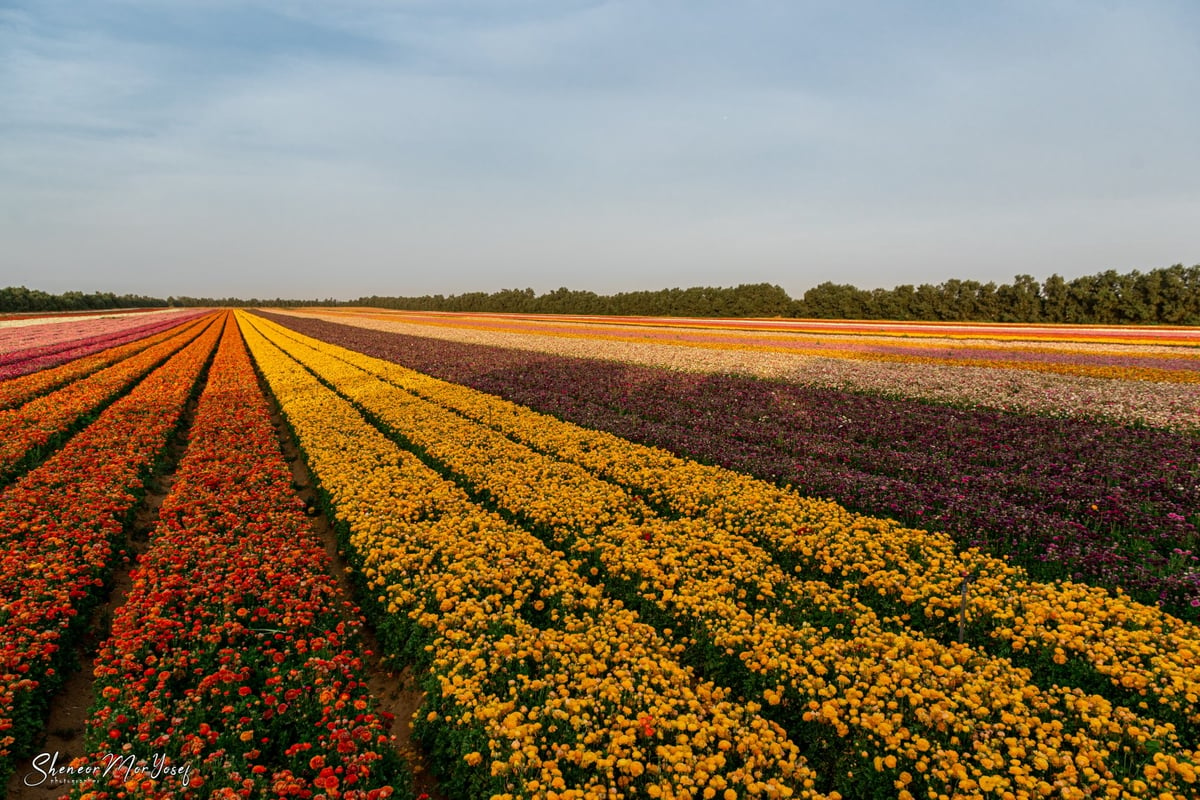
{"points": [[17, 391], [1147, 363], [19, 334], [39, 317], [235, 659], [1080, 363], [897, 570], [60, 529], [28, 431], [457, 354], [736, 604], [1065, 498], [917, 572], [1039, 335], [85, 338], [538, 684]]}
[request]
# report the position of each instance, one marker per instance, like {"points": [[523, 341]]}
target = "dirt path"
{"points": [[397, 692], [69, 708]]}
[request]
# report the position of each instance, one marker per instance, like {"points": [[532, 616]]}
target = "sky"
{"points": [[307, 148]]}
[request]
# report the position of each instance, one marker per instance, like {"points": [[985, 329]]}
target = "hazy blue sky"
{"points": [[310, 148]]}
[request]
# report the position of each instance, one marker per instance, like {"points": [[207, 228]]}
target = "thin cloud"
{"points": [[371, 147]]}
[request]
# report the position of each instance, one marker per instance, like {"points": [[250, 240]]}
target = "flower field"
{"points": [[1064, 496], [36, 424], [234, 652], [25, 349], [607, 578], [60, 528], [836, 355]]}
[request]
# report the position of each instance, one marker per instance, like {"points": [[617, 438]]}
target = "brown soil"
{"points": [[397, 692], [69, 708]]}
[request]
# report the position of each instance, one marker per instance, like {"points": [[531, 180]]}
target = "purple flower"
{"points": [[1032, 480]]}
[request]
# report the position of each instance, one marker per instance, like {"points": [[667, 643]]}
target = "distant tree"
{"points": [[926, 301], [833, 301], [1179, 302], [945, 294], [987, 302], [1138, 294], [1056, 300], [1020, 301], [1162, 296], [1106, 297], [763, 300], [901, 303], [1081, 300]]}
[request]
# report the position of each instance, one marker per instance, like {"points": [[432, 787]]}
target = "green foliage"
{"points": [[747, 300], [18, 299], [1164, 296]]}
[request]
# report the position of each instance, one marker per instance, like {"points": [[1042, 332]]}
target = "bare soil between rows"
{"points": [[65, 727], [397, 692]]}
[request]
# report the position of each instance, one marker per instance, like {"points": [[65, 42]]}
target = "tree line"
{"points": [[19, 299], [1164, 296], [746, 300]]}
